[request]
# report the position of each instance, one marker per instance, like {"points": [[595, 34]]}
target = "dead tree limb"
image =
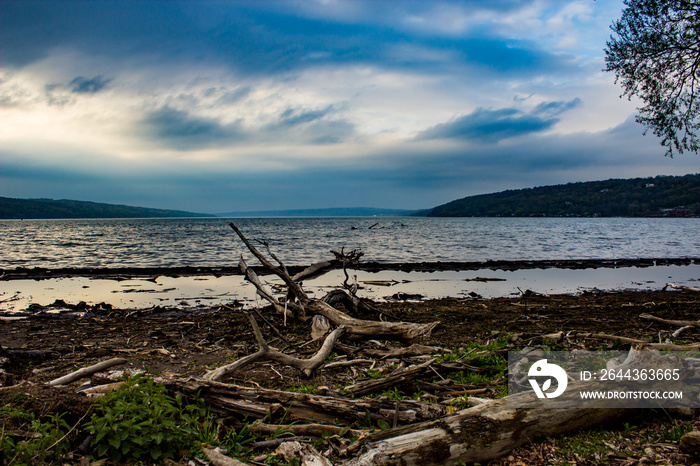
{"points": [[397, 330], [280, 271], [634, 341], [87, 371], [266, 353], [678, 323], [680, 287]]}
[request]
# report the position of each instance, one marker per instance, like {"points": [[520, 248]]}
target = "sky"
{"points": [[218, 106]]}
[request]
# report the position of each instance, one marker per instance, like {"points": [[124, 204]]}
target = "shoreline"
{"points": [[196, 288], [39, 273], [180, 344]]}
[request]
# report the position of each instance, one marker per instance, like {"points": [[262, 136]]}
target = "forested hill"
{"points": [[638, 197], [49, 208]]}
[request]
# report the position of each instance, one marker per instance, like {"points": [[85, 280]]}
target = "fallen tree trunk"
{"points": [[477, 434], [490, 430], [260, 402]]}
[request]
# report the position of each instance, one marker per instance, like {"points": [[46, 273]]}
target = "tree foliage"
{"points": [[655, 54], [638, 197]]}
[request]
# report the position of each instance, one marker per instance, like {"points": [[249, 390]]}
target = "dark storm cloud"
{"points": [[83, 85], [180, 130]]}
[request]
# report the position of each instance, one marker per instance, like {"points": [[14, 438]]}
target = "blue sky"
{"points": [[218, 106]]}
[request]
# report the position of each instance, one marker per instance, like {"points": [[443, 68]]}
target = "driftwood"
{"points": [[409, 351], [307, 366], [87, 371], [487, 431], [681, 287], [633, 341], [365, 328], [304, 453], [678, 323], [312, 429], [291, 406], [218, 458], [394, 379]]}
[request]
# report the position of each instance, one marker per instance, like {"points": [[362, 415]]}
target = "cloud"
{"points": [[82, 85], [231, 97], [180, 130], [490, 126], [294, 117], [555, 108]]}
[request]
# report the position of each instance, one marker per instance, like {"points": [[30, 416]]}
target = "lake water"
{"points": [[302, 241], [211, 242]]}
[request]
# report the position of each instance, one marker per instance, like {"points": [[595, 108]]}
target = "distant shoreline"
{"points": [[39, 273]]}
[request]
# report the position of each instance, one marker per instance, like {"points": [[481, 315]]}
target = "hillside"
{"points": [[48, 208], [330, 212], [638, 197]]}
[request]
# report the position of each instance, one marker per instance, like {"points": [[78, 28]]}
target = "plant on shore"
{"points": [[142, 422], [46, 441]]}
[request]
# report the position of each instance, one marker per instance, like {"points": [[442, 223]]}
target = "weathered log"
{"points": [[349, 300], [261, 402], [409, 351], [634, 341], [305, 454], [489, 430], [367, 328], [678, 323], [313, 429], [315, 270], [320, 327], [681, 287], [218, 458], [87, 371], [307, 366], [396, 378], [101, 390]]}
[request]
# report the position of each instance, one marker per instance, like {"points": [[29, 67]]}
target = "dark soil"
{"points": [[171, 341]]}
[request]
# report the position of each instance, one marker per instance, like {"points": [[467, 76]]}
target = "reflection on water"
{"points": [[207, 291]]}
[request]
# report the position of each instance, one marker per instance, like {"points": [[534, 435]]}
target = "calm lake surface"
{"points": [[302, 241]]}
